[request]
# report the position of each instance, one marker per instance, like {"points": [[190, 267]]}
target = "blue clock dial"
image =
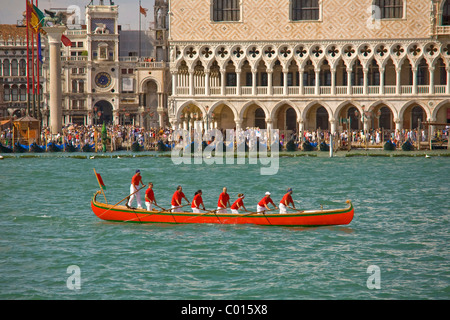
{"points": [[102, 79]]}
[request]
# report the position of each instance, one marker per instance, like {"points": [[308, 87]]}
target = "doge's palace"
{"points": [[309, 64]]}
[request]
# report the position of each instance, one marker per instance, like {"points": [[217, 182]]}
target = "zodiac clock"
{"points": [[103, 80]]}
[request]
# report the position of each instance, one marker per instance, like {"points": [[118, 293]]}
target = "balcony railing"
{"points": [[443, 30], [144, 62], [78, 58], [311, 91]]}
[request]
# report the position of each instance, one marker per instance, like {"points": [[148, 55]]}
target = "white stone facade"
{"points": [[250, 72]]}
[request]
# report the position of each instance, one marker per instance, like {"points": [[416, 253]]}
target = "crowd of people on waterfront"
{"points": [[119, 136], [123, 136], [223, 203]]}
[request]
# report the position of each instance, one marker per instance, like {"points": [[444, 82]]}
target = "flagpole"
{"points": [[28, 57], [32, 74], [139, 29], [37, 71], [101, 188]]}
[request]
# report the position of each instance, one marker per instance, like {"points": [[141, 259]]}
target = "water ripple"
{"points": [[401, 225]]}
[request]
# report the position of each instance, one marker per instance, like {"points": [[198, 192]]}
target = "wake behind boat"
{"points": [[120, 213]]}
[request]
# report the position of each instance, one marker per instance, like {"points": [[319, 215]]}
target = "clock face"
{"points": [[102, 79]]}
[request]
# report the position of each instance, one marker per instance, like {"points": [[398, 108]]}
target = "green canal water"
{"points": [[400, 230]]}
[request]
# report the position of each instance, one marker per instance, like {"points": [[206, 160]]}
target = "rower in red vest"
{"points": [[135, 181], [262, 205], [150, 197], [176, 199], [286, 200], [197, 201], [239, 203], [224, 201]]}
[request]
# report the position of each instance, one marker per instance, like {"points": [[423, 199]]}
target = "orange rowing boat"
{"points": [[119, 213]]}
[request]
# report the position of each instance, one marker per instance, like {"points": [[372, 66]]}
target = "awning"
{"points": [[3, 122]]}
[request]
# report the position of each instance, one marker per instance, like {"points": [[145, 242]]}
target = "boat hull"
{"points": [[303, 218]]}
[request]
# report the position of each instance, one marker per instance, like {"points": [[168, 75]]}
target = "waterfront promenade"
{"points": [[123, 137]]}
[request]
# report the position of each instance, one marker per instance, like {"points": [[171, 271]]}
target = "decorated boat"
{"points": [[310, 218]]}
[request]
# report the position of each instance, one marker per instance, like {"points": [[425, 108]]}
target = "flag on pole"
{"points": [[66, 41], [35, 18], [143, 11], [100, 181], [39, 48]]}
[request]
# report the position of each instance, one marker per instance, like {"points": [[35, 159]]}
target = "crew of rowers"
{"points": [[197, 202]]}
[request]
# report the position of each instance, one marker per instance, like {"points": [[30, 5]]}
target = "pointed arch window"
{"points": [[305, 10], [226, 10], [390, 9], [446, 13]]}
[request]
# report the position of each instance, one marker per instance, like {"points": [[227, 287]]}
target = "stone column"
{"points": [[333, 126], [398, 124], [55, 90], [238, 82], [366, 81], [191, 83], [398, 89], [300, 130], [285, 84], [269, 82], [269, 126], [414, 72], [222, 81], [254, 74], [431, 70], [447, 88], [317, 89], [381, 80], [160, 109], [207, 88], [366, 124], [174, 82], [238, 123], [349, 81], [300, 81], [333, 81]]}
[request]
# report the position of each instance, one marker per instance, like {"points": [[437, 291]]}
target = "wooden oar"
{"points": [[249, 214], [171, 209], [127, 197], [146, 216], [160, 207], [264, 213], [258, 212], [203, 214]]}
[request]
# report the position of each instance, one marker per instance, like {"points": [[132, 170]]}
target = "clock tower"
{"points": [[102, 32]]}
